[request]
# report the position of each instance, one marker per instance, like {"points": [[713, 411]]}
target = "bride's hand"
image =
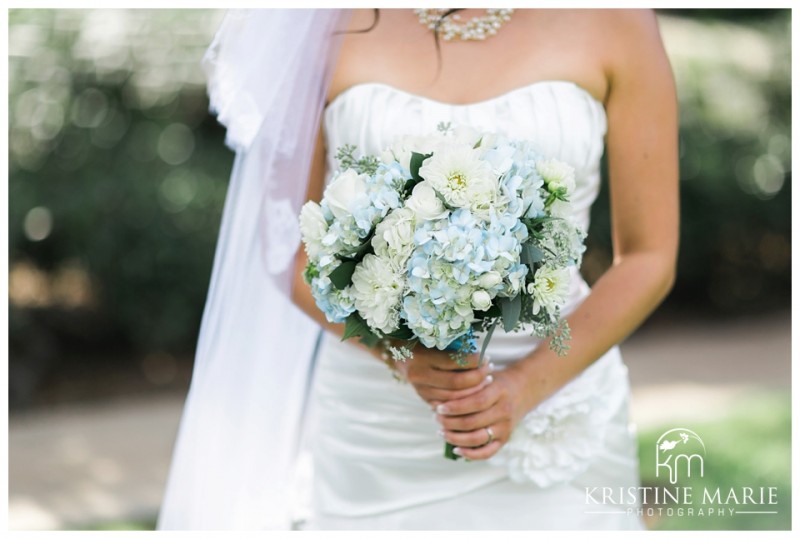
{"points": [[499, 406], [437, 378]]}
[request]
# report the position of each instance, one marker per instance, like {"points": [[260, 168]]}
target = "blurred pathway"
{"points": [[82, 466]]}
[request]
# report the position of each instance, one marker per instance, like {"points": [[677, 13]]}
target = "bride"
{"points": [[539, 433]]}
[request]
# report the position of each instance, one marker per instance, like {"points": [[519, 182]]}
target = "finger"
{"points": [[472, 421], [475, 438], [451, 380], [476, 401], [441, 396], [443, 360], [479, 453]]}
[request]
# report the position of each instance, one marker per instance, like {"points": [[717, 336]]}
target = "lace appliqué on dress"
{"points": [[558, 440]]}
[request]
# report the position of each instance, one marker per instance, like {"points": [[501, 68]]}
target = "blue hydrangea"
{"points": [[446, 267], [336, 304]]}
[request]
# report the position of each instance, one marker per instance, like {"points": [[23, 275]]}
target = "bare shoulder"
{"points": [[361, 19], [634, 47]]}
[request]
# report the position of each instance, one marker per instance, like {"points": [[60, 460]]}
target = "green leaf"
{"points": [[402, 333], [416, 163], [531, 254], [494, 311], [511, 309], [486, 340], [363, 249], [355, 326], [370, 340], [342, 276]]}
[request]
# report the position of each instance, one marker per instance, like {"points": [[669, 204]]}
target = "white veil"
{"points": [[268, 73]]}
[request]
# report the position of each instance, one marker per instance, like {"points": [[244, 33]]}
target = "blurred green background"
{"points": [[117, 177]]}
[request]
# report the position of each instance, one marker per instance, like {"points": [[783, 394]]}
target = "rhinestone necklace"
{"points": [[477, 28]]}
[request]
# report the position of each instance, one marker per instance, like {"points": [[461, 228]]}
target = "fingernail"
{"points": [[488, 379], [458, 451], [442, 409], [440, 433], [491, 367]]}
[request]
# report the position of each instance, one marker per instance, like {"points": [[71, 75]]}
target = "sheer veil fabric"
{"points": [[268, 72]]}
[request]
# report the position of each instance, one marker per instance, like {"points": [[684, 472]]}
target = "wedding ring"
{"points": [[491, 435]]}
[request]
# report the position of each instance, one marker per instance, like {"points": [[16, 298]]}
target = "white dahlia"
{"points": [[376, 291], [549, 288], [458, 174]]}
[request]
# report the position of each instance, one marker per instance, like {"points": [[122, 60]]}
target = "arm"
{"points": [[643, 171]]}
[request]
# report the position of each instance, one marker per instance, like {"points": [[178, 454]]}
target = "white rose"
{"points": [[489, 280], [481, 300], [425, 204], [313, 228], [343, 190], [557, 175]]}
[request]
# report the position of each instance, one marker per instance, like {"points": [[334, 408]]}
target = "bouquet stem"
{"points": [[448, 451], [465, 344]]}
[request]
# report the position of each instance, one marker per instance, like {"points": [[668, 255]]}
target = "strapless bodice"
{"points": [[562, 119]]}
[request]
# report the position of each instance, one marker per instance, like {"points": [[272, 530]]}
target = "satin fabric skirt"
{"points": [[378, 464]]}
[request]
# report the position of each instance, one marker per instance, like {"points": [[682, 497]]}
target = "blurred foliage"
{"points": [[750, 447], [117, 170], [117, 175], [734, 87]]}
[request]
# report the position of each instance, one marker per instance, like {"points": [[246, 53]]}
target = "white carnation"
{"points": [[549, 288], [313, 228], [377, 290]]}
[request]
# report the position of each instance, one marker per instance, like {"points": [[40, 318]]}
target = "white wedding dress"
{"points": [[377, 458]]}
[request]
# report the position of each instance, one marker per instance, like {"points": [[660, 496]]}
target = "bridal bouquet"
{"points": [[441, 237]]}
